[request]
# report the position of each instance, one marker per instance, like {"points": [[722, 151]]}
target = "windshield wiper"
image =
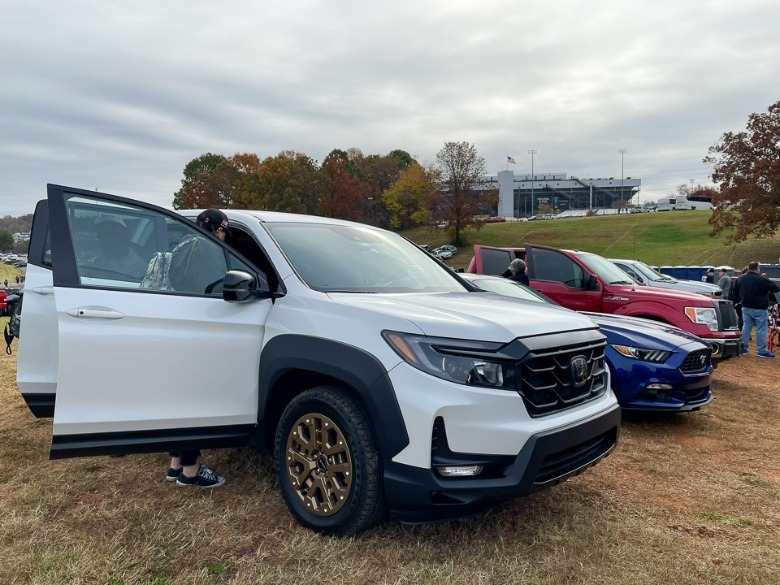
{"points": [[621, 282], [349, 290]]}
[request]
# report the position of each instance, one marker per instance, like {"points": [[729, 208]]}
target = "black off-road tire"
{"points": [[328, 463]]}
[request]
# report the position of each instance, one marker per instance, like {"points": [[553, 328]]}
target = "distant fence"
{"points": [[698, 272]]}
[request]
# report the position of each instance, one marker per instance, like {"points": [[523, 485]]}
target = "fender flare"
{"points": [[304, 361]]}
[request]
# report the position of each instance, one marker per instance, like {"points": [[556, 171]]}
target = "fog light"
{"points": [[459, 470], [659, 386]]}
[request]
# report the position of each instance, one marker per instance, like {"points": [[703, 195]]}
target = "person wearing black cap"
{"points": [[710, 276], [184, 468], [214, 221]]}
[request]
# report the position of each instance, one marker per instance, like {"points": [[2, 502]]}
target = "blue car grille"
{"points": [[549, 382], [696, 361]]}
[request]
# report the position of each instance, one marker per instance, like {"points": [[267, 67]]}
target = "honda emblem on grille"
{"points": [[579, 370]]}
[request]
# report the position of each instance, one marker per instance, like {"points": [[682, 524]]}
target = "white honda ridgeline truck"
{"points": [[384, 383]]}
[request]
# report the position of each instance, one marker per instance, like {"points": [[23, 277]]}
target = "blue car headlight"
{"points": [[657, 356], [472, 363]]}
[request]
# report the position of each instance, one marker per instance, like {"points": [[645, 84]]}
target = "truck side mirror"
{"points": [[592, 283]]}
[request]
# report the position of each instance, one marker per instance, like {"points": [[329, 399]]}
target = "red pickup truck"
{"points": [[3, 302], [588, 282]]}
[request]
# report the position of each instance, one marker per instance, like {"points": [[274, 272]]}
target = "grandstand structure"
{"points": [[521, 195]]}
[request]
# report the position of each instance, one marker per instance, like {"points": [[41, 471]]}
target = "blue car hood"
{"points": [[642, 332]]}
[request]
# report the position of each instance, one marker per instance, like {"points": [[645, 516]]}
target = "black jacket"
{"points": [[520, 277], [751, 290]]}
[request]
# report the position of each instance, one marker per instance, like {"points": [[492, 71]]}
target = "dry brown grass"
{"points": [[684, 499]]}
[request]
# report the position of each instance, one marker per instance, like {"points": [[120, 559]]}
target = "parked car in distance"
{"points": [[383, 386], [447, 248], [643, 274], [444, 252], [654, 366]]}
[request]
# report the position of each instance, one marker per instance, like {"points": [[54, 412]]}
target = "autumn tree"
{"points": [[406, 201], [341, 190], [376, 174], [290, 182], [747, 168], [544, 209], [213, 180], [403, 158], [462, 196], [198, 170], [6, 241], [246, 191]]}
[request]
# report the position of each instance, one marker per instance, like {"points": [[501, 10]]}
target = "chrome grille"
{"points": [[727, 315], [550, 380], [696, 361]]}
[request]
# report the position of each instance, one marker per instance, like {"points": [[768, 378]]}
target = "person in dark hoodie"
{"points": [[752, 292]]}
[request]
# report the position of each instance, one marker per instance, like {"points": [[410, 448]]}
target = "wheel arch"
{"points": [[292, 363]]}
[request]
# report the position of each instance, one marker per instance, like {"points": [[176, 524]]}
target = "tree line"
{"points": [[391, 191]]}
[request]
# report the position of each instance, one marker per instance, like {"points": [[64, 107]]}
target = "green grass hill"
{"points": [[675, 237]]}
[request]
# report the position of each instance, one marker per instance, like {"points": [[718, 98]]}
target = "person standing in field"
{"points": [[752, 292], [724, 282]]}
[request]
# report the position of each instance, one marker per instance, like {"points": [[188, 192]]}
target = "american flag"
{"points": [[509, 159]]}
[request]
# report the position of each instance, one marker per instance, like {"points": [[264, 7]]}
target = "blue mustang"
{"points": [[654, 366]]}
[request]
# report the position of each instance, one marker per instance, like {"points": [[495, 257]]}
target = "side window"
{"points": [[495, 262], [127, 247], [556, 267]]}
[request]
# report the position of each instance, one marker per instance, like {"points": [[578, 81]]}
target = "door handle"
{"points": [[94, 313], [43, 290]]}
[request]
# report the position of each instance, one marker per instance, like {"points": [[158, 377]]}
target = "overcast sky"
{"points": [[119, 96]]}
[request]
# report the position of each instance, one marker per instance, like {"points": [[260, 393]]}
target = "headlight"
{"points": [[657, 356], [465, 362], [703, 316]]}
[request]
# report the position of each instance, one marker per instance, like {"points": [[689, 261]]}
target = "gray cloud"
{"points": [[121, 97]]}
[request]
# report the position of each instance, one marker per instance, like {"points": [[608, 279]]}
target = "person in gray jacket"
{"points": [[724, 282]]}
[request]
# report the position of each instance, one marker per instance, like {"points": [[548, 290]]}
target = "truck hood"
{"points": [[689, 286], [657, 294], [480, 316]]}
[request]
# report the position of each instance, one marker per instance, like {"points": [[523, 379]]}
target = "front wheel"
{"points": [[328, 464]]}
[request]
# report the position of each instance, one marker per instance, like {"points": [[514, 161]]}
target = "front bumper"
{"points": [[725, 348], [417, 495], [660, 387]]}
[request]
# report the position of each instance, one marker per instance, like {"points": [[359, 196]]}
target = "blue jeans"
{"points": [[759, 318]]}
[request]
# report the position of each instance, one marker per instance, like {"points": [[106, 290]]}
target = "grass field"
{"points": [[691, 499], [672, 238]]}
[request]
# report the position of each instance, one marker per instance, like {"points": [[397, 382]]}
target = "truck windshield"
{"points": [[604, 269], [360, 259], [649, 273]]}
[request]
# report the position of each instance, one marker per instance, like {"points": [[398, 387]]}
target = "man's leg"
{"points": [[747, 326], [762, 321]]}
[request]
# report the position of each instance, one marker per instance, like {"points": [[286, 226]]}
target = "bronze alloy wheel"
{"points": [[319, 464]]}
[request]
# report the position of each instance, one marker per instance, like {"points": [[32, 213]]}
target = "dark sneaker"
{"points": [[204, 479], [744, 351], [173, 474], [765, 354]]}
